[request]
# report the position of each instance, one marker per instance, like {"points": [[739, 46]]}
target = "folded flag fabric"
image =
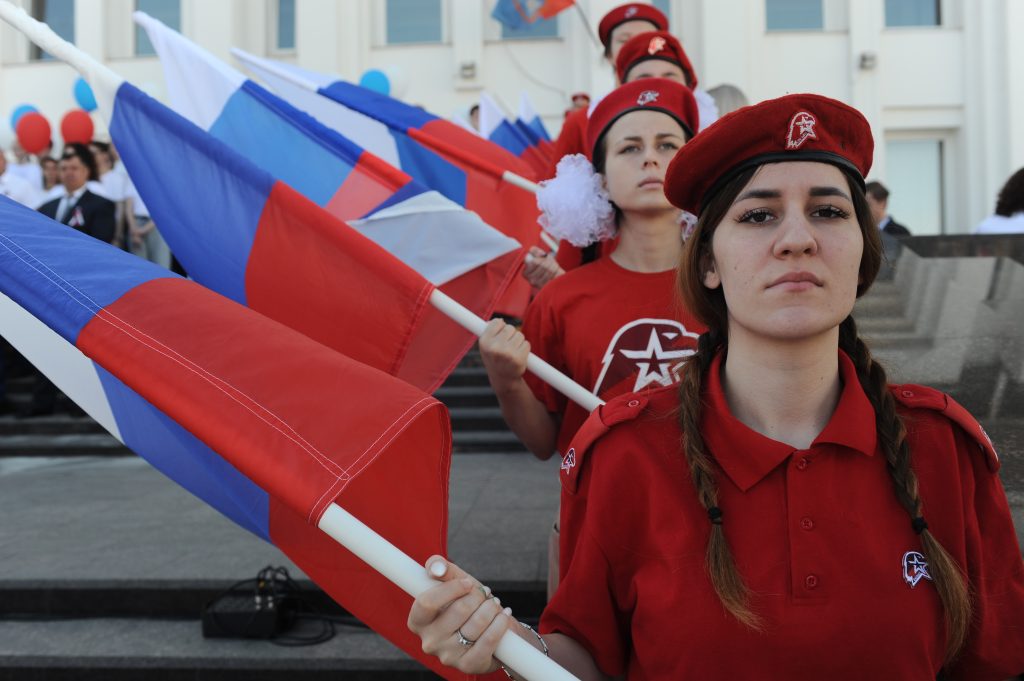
{"points": [[432, 234], [245, 234], [261, 422], [529, 117], [497, 128], [442, 155]]}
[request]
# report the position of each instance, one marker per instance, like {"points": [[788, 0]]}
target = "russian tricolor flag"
{"points": [[530, 119], [257, 420], [464, 167], [450, 246], [497, 128], [245, 234]]}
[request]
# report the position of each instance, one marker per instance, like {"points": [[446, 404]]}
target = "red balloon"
{"points": [[76, 126], [33, 132]]}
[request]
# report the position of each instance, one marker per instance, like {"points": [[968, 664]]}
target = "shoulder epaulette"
{"points": [[622, 408], [922, 397]]}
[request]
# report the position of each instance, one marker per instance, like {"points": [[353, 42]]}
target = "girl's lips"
{"points": [[797, 280]]}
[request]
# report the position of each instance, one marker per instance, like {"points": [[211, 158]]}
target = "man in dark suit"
{"points": [[90, 214], [80, 208], [878, 201]]}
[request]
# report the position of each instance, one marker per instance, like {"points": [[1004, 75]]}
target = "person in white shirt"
{"points": [[1009, 213], [25, 167], [15, 187]]}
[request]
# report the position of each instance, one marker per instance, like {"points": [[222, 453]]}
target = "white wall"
{"points": [[962, 83]]}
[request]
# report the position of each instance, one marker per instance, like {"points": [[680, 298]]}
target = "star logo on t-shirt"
{"points": [[657, 357], [646, 352]]}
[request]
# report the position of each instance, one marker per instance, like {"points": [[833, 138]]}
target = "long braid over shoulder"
{"points": [[947, 576], [710, 306], [721, 566]]}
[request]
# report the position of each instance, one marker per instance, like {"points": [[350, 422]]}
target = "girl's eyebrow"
{"points": [[638, 138], [775, 193], [830, 191]]}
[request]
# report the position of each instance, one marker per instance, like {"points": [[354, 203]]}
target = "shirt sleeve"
{"points": [[542, 329], [584, 608], [995, 645], [590, 605]]}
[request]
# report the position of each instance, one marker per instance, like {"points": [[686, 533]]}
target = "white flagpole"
{"points": [[355, 536], [549, 374], [411, 577]]}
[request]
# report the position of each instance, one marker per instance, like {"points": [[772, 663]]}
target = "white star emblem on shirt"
{"points": [[662, 359]]}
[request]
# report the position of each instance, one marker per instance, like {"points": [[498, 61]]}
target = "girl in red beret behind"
{"points": [[786, 513]]}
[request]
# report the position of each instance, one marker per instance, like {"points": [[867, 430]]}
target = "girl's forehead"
{"points": [[644, 123], [796, 174]]}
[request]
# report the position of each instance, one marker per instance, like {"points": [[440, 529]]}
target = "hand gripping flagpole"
{"points": [[549, 374], [348, 531]]}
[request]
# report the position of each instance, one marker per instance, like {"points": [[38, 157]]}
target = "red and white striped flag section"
{"points": [[289, 438], [449, 245]]}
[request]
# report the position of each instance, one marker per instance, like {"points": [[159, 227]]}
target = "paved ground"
{"points": [[118, 518]]}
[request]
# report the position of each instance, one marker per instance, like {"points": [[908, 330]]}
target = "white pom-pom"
{"points": [[688, 222], [574, 206]]}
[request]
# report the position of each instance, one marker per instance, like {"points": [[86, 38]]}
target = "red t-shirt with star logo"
{"points": [[835, 569], [612, 331]]}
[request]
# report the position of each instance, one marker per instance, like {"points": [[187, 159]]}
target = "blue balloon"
{"points": [[376, 80], [84, 96], [20, 111]]}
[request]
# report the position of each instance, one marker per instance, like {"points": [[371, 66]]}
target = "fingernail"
{"points": [[438, 568], [497, 601], [508, 611]]}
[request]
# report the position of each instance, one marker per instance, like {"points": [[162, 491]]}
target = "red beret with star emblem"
{"points": [[660, 45], [634, 11], [800, 127], [654, 94]]}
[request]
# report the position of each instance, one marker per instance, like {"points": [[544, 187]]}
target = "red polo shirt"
{"points": [[609, 329], [818, 537]]}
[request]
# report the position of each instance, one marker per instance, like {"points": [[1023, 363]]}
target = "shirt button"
{"points": [[811, 581], [806, 523], [803, 463], [633, 403]]}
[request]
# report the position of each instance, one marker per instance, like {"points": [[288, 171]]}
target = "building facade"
{"points": [[941, 81]]}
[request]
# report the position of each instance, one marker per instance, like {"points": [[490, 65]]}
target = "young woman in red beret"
{"points": [[785, 513], [614, 325], [650, 54], [614, 30]]}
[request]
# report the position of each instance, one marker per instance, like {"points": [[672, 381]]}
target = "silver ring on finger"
{"points": [[463, 641]]}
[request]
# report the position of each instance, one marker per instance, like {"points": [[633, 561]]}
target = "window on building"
{"points": [[541, 28], [665, 7], [60, 16], [166, 11], [413, 21], [914, 177], [794, 15], [285, 19], [912, 13]]}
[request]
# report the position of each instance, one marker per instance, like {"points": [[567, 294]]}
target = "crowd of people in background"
{"points": [[88, 189]]}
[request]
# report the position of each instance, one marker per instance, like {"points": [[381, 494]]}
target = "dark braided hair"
{"points": [[710, 307]]}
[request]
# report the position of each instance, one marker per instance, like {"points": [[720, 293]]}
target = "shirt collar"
{"points": [[746, 456], [77, 194]]}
